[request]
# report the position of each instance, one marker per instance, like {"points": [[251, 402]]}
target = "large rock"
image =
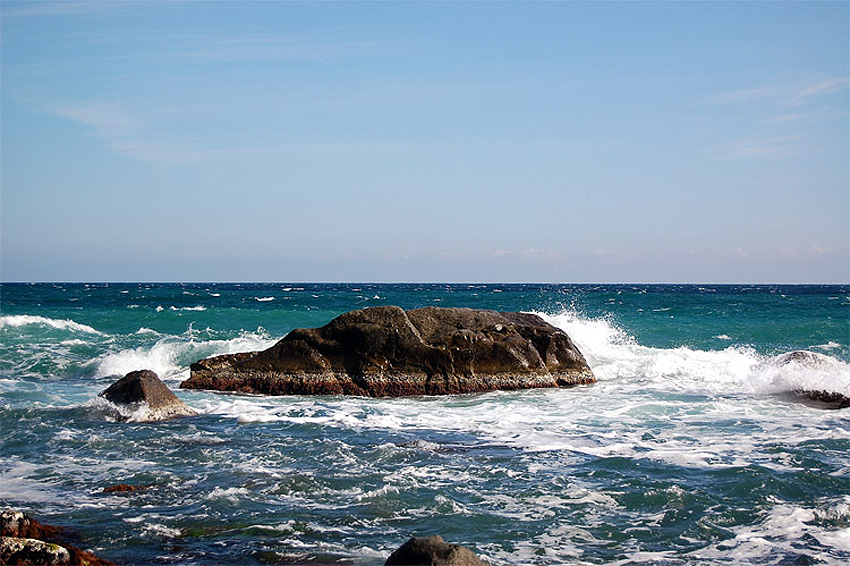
{"points": [[389, 352], [432, 551], [141, 396]]}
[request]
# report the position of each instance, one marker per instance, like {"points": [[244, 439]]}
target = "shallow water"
{"points": [[685, 452]]}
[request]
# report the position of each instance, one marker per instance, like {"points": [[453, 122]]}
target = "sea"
{"points": [[689, 450]]}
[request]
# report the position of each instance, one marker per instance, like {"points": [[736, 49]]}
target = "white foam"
{"points": [[783, 529], [19, 320], [814, 373], [264, 299], [170, 356], [616, 357]]}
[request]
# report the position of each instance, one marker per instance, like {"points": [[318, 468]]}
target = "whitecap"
{"points": [[616, 357], [170, 356], [264, 299], [19, 320]]}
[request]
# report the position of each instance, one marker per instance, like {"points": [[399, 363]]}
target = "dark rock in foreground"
{"points": [[432, 551], [14, 550], [15, 524], [389, 352], [23, 540], [144, 397]]}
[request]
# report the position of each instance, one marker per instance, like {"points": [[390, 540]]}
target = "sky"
{"points": [[572, 142]]}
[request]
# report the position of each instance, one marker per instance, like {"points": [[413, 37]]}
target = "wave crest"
{"points": [[615, 356], [19, 320]]}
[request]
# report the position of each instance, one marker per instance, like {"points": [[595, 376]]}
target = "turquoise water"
{"points": [[685, 452]]}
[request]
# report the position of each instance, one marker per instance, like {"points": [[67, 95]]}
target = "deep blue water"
{"points": [[684, 452]]}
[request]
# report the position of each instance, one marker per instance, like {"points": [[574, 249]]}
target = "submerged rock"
{"points": [[805, 358], [432, 551], [820, 399], [144, 397], [389, 352], [824, 366]]}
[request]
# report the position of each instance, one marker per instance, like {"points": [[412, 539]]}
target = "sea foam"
{"points": [[615, 356], [170, 356]]}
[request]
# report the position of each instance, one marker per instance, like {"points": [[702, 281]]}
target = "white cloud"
{"points": [[821, 88]]}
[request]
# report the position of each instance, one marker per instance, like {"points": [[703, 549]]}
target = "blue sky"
{"points": [[391, 141]]}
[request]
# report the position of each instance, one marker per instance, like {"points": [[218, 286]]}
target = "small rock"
{"points": [[432, 551], [16, 550], [123, 487], [145, 398]]}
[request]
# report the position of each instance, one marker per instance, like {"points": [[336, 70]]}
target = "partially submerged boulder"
{"points": [[143, 397], [389, 352], [818, 364], [818, 399], [432, 551]]}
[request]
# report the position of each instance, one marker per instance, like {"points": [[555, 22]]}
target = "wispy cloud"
{"points": [[788, 96], [741, 95], [57, 8], [107, 120], [273, 48], [782, 114], [129, 133], [821, 88], [762, 148]]}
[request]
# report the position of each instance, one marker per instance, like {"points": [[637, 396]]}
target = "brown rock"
{"points": [[432, 551], [123, 487], [14, 523], [23, 540], [144, 397], [389, 352], [15, 550]]}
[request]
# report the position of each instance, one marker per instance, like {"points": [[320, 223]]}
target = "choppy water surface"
{"points": [[685, 452]]}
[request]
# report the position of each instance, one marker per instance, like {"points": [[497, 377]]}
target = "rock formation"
{"points": [[432, 551], [389, 352], [143, 397], [24, 540]]}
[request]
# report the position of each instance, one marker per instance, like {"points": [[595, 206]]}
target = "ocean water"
{"points": [[685, 452]]}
